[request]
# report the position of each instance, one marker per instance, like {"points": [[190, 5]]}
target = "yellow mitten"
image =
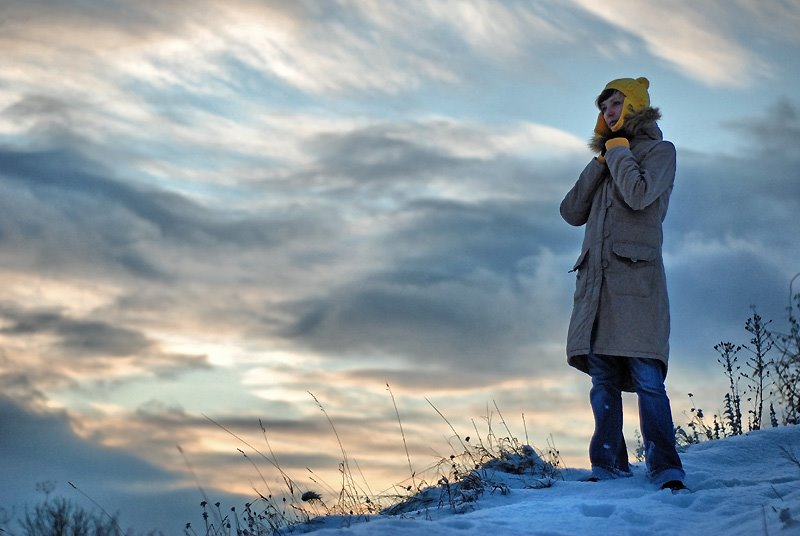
{"points": [[617, 142]]}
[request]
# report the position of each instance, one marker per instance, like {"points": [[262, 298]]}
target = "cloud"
{"points": [[44, 448], [314, 50], [471, 287], [428, 225], [752, 194], [365, 47], [730, 242], [373, 47], [477, 279], [775, 133], [70, 211], [456, 241], [90, 338], [700, 41], [450, 242], [38, 106], [56, 350]]}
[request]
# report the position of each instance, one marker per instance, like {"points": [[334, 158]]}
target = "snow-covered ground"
{"points": [[746, 485]]}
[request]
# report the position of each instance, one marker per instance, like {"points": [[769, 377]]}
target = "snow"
{"points": [[744, 485]]}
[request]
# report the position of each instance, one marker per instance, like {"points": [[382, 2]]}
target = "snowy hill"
{"points": [[746, 485]]}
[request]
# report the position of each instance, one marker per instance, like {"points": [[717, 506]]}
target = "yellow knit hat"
{"points": [[636, 99]]}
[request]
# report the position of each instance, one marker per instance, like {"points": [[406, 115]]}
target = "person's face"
{"points": [[612, 108]]}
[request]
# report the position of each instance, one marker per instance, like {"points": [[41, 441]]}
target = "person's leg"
{"points": [[655, 418], [608, 453]]}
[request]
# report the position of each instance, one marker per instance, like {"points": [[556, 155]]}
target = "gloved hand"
{"points": [[610, 144], [617, 142]]}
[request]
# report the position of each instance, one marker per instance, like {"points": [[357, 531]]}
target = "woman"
{"points": [[619, 329]]}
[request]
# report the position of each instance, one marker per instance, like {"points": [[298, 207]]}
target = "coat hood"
{"points": [[641, 123]]}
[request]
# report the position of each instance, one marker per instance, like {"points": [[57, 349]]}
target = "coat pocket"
{"points": [[580, 275], [632, 272]]}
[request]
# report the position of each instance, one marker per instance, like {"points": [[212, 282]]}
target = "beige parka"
{"points": [[620, 305]]}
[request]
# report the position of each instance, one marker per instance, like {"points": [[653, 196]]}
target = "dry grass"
{"points": [[476, 465]]}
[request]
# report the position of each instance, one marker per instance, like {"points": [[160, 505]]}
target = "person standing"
{"points": [[619, 328]]}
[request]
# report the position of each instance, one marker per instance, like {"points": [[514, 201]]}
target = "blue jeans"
{"points": [[608, 453]]}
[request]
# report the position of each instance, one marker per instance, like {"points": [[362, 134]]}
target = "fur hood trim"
{"points": [[638, 123]]}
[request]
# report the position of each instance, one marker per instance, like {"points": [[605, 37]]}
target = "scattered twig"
{"points": [[103, 510], [790, 455], [403, 435]]}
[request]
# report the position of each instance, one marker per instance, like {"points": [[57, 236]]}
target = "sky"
{"points": [[213, 214]]}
